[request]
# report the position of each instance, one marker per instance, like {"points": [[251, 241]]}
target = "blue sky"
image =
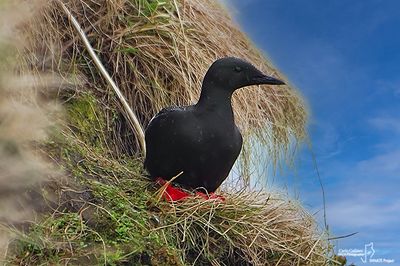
{"points": [[344, 56]]}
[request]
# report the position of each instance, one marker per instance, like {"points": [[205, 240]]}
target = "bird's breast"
{"points": [[220, 139]]}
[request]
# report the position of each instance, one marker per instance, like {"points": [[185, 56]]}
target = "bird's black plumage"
{"points": [[202, 140]]}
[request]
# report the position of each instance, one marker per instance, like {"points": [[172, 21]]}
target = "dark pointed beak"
{"points": [[264, 79]]}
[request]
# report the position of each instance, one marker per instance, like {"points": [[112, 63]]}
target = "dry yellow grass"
{"points": [[250, 228], [158, 52], [107, 212]]}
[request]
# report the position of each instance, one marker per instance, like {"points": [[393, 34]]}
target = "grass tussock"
{"points": [[158, 52], [107, 213], [104, 211]]}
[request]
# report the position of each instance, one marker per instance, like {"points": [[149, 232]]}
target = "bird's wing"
{"points": [[163, 135], [164, 112]]}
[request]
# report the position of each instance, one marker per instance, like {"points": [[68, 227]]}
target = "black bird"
{"points": [[202, 140]]}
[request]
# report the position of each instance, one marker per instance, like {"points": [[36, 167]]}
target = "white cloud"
{"points": [[366, 198], [359, 213], [386, 123], [380, 167]]}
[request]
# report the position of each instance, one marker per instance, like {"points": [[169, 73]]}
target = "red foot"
{"points": [[172, 193]]}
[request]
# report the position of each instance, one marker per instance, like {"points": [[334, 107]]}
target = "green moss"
{"points": [[115, 226], [86, 120], [52, 239], [111, 217], [114, 223]]}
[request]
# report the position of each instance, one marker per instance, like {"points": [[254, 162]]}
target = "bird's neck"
{"points": [[216, 100]]}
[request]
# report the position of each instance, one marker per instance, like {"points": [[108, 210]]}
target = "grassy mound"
{"points": [[107, 213], [102, 210], [157, 52]]}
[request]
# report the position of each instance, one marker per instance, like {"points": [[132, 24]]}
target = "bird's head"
{"points": [[233, 73]]}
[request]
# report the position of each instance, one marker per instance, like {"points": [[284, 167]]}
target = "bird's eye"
{"points": [[238, 69]]}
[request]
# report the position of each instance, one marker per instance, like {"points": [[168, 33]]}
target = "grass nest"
{"points": [[99, 208]]}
